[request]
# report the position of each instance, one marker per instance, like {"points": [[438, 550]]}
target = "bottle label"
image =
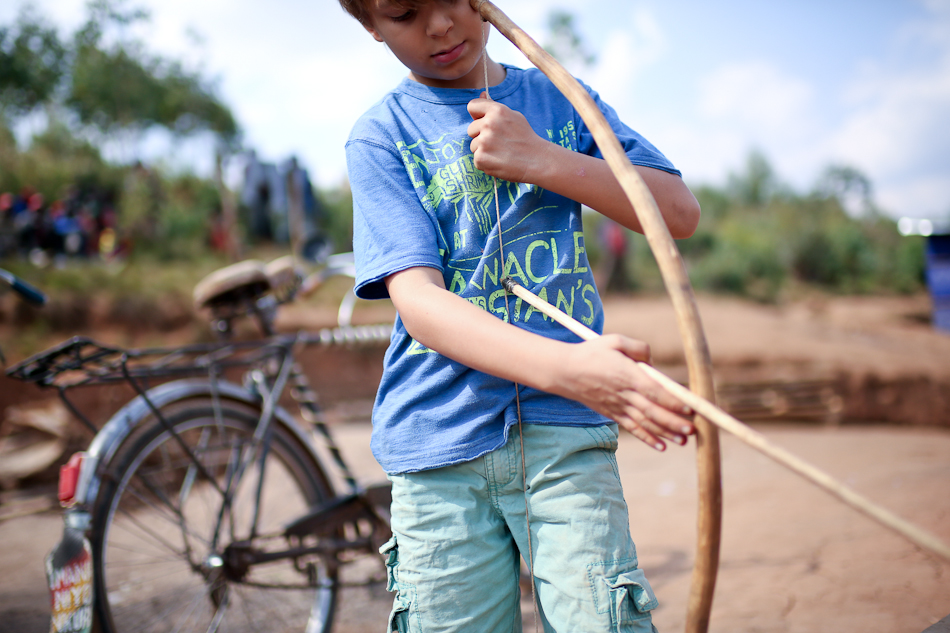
{"points": [[70, 584]]}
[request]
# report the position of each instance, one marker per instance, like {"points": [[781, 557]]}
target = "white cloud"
{"points": [[888, 119], [926, 195], [740, 106], [899, 124], [756, 95], [896, 128], [308, 106], [627, 50]]}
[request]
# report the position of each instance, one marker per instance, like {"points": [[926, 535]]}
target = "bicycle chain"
{"points": [[306, 397]]}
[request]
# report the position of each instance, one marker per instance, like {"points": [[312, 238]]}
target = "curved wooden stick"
{"points": [[684, 303], [751, 437]]}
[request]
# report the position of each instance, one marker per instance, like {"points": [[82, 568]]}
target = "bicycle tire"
{"points": [[154, 521]]}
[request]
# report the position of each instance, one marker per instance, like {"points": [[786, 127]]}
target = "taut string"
{"points": [[501, 256]]}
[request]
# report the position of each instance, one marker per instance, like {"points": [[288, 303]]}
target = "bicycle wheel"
{"points": [[161, 535]]}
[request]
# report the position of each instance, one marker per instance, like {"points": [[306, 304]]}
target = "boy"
{"points": [[490, 418]]}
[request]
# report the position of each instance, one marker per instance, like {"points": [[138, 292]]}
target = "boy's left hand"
{"points": [[503, 142]]}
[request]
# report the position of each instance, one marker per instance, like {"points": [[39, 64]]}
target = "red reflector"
{"points": [[69, 478]]}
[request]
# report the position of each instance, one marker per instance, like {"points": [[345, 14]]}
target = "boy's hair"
{"points": [[359, 8]]}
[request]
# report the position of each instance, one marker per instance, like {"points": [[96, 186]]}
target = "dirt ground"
{"points": [[793, 558], [821, 335]]}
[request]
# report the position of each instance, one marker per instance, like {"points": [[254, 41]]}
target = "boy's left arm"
{"points": [[505, 146]]}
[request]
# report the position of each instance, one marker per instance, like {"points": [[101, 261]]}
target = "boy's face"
{"points": [[440, 41]]}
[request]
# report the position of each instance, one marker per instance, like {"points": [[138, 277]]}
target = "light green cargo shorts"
{"points": [[458, 532]]}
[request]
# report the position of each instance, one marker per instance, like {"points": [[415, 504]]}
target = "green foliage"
{"points": [[105, 79], [740, 257], [564, 42], [847, 185], [338, 217], [756, 237], [98, 85], [756, 186], [123, 88], [55, 161], [188, 105], [184, 219], [32, 63], [714, 202]]}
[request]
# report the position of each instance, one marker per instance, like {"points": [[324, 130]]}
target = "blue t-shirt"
{"points": [[418, 200]]}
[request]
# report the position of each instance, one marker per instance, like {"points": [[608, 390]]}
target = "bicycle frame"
{"points": [[197, 373], [98, 365], [123, 423]]}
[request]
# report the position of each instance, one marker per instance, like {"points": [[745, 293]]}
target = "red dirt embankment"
{"points": [[834, 359], [831, 359]]}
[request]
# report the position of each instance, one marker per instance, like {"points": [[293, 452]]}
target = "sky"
{"points": [[808, 83]]}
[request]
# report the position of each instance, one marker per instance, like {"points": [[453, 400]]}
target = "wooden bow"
{"points": [[709, 523]]}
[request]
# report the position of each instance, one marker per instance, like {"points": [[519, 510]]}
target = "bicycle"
{"points": [[207, 505]]}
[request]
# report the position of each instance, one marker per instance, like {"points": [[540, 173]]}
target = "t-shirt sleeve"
{"points": [[638, 149], [391, 229]]}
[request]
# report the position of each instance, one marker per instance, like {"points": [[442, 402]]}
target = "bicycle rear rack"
{"points": [[82, 361]]}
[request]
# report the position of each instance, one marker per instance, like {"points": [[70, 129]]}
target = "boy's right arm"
{"points": [[601, 374], [505, 146]]}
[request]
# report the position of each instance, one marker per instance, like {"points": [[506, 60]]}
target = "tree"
{"points": [[757, 185], [564, 42], [32, 63], [121, 89], [850, 187], [106, 79]]}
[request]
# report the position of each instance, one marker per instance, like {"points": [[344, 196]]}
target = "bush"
{"points": [[338, 217], [743, 261], [185, 218]]}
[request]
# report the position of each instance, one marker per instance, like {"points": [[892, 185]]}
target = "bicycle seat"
{"points": [[243, 281], [282, 273]]}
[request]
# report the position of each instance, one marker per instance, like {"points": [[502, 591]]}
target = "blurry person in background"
{"points": [[611, 275], [7, 235]]}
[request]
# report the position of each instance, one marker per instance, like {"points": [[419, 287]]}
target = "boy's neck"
{"points": [[475, 80]]}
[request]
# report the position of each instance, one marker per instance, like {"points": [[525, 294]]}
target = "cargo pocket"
{"points": [[399, 618], [631, 600]]}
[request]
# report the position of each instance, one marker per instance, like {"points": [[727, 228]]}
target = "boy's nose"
{"points": [[439, 24]]}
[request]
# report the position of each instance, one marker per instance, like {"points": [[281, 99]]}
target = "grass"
{"points": [[145, 300]]}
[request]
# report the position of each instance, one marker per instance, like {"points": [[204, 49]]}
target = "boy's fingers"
{"points": [[481, 106], [648, 431], [638, 431], [473, 129], [654, 391], [660, 420], [477, 108], [632, 348]]}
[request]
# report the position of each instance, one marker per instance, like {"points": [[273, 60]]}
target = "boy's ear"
{"points": [[372, 31]]}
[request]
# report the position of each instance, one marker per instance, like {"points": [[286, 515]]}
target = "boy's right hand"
{"points": [[603, 374], [503, 143]]}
